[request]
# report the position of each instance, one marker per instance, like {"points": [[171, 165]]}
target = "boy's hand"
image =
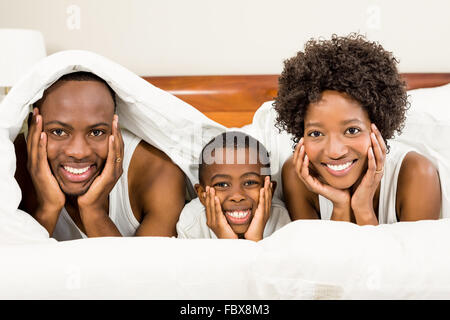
{"points": [[49, 195], [256, 229], [215, 219], [96, 198]]}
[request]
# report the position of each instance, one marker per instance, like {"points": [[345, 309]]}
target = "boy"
{"points": [[234, 192]]}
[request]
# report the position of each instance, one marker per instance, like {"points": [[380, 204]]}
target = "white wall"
{"points": [[189, 37]]}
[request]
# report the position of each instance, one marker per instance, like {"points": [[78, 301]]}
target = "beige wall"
{"points": [[188, 37]]}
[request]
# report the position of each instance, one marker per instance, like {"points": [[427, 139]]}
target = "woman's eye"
{"points": [[96, 133], [58, 132], [315, 134], [353, 131]]}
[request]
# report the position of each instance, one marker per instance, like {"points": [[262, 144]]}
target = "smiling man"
{"points": [[82, 177]]}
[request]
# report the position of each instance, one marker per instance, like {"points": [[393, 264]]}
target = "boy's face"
{"points": [[237, 186]]}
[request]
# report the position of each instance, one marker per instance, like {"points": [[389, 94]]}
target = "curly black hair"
{"points": [[352, 65]]}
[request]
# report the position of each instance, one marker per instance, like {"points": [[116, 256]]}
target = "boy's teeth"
{"points": [[75, 170], [339, 167], [238, 214]]}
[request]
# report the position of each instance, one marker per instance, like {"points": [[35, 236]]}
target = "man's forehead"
{"points": [[78, 97]]}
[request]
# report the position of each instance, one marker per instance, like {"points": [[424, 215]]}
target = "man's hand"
{"points": [[339, 198], [50, 198], [215, 219], [93, 205], [362, 198], [256, 229]]}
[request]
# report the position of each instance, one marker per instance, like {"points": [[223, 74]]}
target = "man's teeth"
{"points": [[238, 214], [75, 170], [340, 167]]}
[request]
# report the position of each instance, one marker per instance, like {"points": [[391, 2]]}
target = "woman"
{"points": [[342, 99]]}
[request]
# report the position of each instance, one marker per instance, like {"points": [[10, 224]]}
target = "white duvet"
{"points": [[303, 260]]}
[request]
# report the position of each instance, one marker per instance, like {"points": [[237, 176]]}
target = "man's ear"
{"points": [[274, 186], [200, 192]]}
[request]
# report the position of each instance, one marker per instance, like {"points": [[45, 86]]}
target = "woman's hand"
{"points": [[339, 198], [362, 198], [256, 229], [215, 219]]}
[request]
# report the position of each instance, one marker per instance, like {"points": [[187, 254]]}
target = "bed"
{"points": [[407, 260], [233, 100]]}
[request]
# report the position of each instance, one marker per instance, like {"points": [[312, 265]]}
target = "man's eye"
{"points": [[58, 132], [353, 131], [96, 133], [315, 134]]}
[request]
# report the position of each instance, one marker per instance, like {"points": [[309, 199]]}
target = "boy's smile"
{"points": [[237, 186]]}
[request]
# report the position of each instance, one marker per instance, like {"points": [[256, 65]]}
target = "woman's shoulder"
{"points": [[418, 185]]}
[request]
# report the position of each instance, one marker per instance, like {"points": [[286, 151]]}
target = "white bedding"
{"points": [[303, 260]]}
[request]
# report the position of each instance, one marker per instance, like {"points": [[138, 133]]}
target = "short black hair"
{"points": [[79, 76], [353, 65], [232, 140]]}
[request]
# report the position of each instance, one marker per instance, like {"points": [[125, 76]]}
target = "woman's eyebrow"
{"points": [[313, 124], [351, 120]]}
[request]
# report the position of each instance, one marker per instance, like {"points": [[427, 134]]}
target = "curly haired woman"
{"points": [[341, 99]]}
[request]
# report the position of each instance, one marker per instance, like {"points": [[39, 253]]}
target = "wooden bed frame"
{"points": [[232, 100]]}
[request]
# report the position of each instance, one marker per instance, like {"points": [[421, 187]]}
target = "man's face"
{"points": [[237, 186], [77, 118]]}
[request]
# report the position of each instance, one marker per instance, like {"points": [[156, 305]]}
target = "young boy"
{"points": [[234, 194]]}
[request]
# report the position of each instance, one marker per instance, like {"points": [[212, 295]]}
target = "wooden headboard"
{"points": [[232, 100]]}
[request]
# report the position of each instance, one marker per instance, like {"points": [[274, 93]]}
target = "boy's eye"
{"points": [[96, 133], [221, 185], [315, 134], [353, 131], [251, 183], [58, 132]]}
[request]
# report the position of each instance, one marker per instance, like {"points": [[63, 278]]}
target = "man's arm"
{"points": [[157, 191]]}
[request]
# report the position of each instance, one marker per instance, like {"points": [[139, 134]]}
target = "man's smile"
{"points": [[77, 173]]}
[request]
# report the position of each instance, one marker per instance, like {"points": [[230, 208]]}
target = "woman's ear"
{"points": [[201, 193]]}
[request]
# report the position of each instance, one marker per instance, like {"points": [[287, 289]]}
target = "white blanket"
{"points": [[154, 115]]}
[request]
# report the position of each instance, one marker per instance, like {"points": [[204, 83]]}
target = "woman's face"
{"points": [[337, 138]]}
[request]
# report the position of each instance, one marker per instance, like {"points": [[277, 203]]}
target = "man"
{"points": [[80, 176]]}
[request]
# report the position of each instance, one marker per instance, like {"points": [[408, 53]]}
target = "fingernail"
{"points": [[42, 135]]}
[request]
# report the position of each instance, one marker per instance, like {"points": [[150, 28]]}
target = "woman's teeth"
{"points": [[340, 167], [238, 214], [75, 170]]}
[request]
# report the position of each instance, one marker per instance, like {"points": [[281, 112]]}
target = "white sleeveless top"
{"points": [[120, 211], [388, 189]]}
